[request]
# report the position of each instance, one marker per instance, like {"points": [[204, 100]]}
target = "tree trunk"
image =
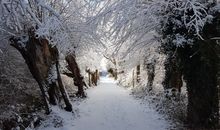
{"points": [[78, 79], [53, 97], [173, 74], [89, 73], [150, 75], [116, 74], [133, 80], [63, 90], [200, 73], [35, 54], [97, 75], [217, 50], [41, 59], [93, 78], [138, 73]]}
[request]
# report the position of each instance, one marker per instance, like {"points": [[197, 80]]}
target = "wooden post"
{"points": [[116, 74], [96, 75], [138, 73], [89, 74], [133, 80]]}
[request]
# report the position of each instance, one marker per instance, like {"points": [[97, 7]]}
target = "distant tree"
{"points": [[179, 26]]}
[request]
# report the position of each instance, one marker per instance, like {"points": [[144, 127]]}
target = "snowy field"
{"points": [[108, 107]]}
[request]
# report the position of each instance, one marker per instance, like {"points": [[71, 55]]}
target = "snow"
{"points": [[52, 76], [109, 107]]}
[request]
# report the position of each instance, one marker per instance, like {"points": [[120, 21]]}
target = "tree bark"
{"points": [[63, 90], [97, 75], [133, 79], [34, 52], [150, 75], [94, 78], [138, 73], [78, 79], [41, 59], [89, 73], [200, 73], [173, 74], [116, 74], [53, 97], [89, 76]]}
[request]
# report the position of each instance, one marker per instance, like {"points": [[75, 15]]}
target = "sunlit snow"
{"points": [[110, 107]]}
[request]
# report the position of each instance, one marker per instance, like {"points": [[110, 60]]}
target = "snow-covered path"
{"points": [[110, 107]]}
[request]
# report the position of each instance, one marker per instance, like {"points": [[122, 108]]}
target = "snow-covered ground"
{"points": [[108, 107]]}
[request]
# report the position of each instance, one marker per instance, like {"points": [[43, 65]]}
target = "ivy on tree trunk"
{"points": [[200, 72]]}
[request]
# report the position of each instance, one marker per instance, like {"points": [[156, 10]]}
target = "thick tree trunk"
{"points": [[173, 74], [41, 60], [200, 73], [78, 79], [34, 52], [150, 75], [217, 50]]}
